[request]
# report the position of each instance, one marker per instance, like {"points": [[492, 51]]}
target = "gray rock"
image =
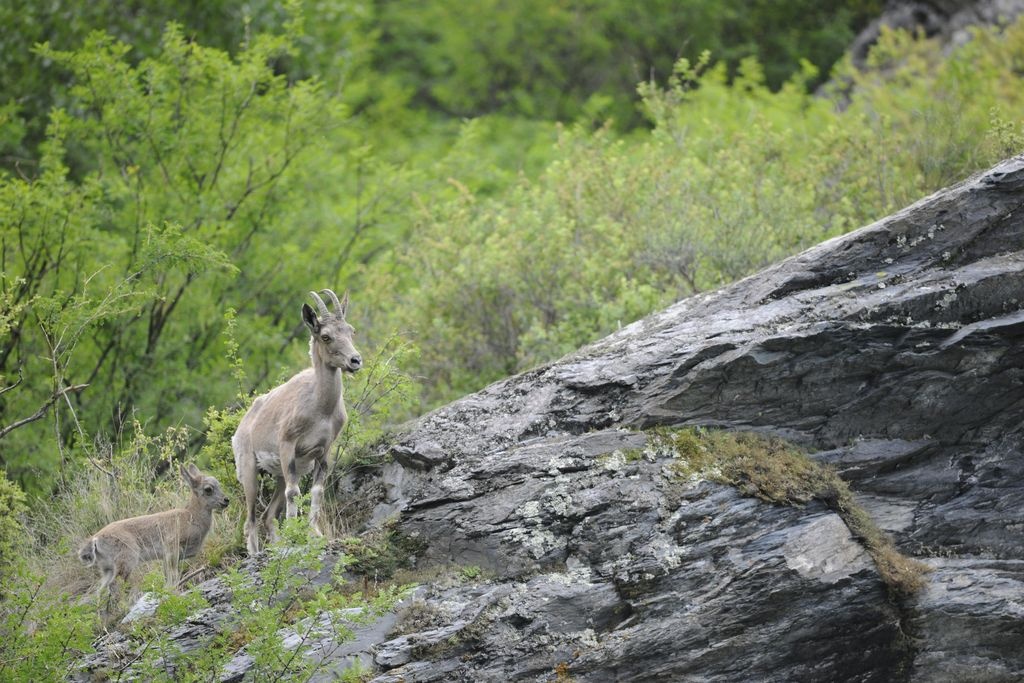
{"points": [[894, 353], [966, 620]]}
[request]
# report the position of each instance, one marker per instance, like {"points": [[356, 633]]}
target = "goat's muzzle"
{"points": [[354, 363]]}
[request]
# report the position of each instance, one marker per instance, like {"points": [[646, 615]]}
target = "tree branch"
{"points": [[42, 410], [13, 386]]}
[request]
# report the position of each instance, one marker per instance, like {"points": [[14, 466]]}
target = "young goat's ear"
{"points": [[187, 475], [343, 308], [309, 317]]}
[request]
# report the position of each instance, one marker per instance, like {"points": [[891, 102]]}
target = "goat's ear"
{"points": [[344, 304], [186, 475], [194, 472], [309, 317]]}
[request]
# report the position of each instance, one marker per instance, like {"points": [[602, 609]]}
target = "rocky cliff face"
{"points": [[894, 353]]}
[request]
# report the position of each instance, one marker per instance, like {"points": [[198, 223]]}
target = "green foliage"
{"points": [[12, 533], [187, 196], [42, 631], [555, 58], [357, 672], [380, 552], [471, 573], [216, 455], [776, 472], [381, 392], [123, 275]]}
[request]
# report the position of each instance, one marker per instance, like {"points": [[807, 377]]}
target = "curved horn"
{"points": [[334, 300], [320, 304]]}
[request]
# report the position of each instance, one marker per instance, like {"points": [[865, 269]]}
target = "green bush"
{"points": [[12, 534], [554, 58], [122, 275], [42, 630]]}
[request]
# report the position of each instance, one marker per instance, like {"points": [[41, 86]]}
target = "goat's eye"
{"points": [[325, 337], [208, 490]]}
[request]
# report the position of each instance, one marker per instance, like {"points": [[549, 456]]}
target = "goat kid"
{"points": [[118, 548], [288, 431]]}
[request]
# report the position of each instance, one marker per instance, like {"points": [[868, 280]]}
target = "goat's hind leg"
{"points": [[273, 508], [108, 575], [249, 479]]}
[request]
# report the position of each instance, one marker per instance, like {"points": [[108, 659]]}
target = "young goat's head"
{"points": [[206, 489], [331, 334]]}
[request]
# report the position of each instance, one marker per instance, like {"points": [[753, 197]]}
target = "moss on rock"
{"points": [[777, 472]]}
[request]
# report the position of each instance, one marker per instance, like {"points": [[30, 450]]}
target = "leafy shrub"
{"points": [[554, 58], [127, 261], [13, 537], [42, 630]]}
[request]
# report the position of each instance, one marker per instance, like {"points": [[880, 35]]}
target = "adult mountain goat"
{"points": [[288, 431]]}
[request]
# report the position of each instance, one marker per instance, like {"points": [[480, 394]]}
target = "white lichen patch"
{"points": [[657, 449], [558, 502], [946, 301], [529, 510], [693, 475], [668, 554], [455, 484], [538, 542], [614, 461], [587, 638]]}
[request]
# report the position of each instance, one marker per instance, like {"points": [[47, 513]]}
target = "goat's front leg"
{"points": [[316, 495], [290, 472]]}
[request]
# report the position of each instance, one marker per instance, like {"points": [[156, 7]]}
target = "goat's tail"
{"points": [[87, 554]]}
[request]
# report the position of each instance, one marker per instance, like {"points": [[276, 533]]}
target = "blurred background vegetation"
{"points": [[497, 184]]}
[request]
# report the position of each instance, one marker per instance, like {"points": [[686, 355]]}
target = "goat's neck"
{"points": [[198, 517], [328, 384]]}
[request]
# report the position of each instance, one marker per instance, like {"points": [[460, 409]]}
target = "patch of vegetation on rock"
{"points": [[380, 552], [775, 471]]}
